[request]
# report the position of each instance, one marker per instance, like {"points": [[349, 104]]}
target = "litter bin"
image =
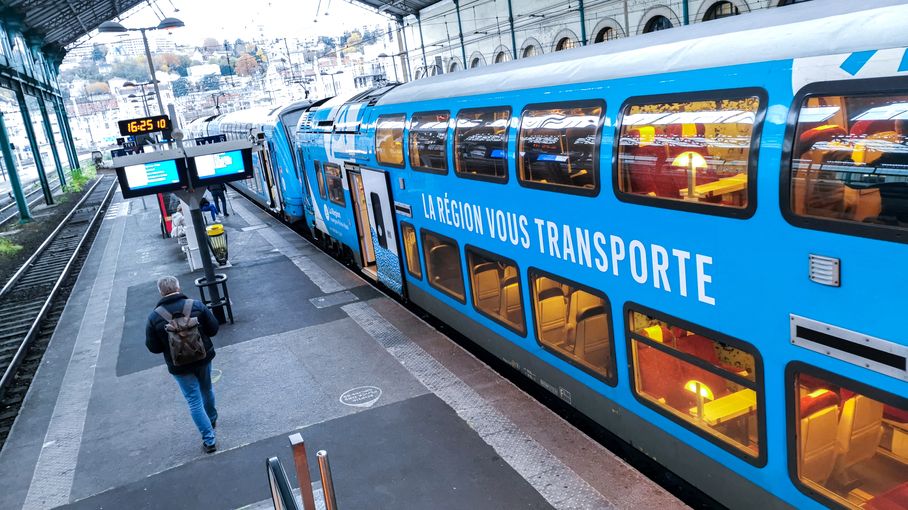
{"points": [[217, 241]]}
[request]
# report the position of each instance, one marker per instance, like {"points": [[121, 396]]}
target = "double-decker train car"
{"points": [[275, 183], [695, 237]]}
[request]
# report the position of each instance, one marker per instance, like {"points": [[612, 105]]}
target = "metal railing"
{"points": [[281, 494]]}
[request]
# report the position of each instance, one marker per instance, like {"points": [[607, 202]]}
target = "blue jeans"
{"points": [[196, 388], [211, 208]]}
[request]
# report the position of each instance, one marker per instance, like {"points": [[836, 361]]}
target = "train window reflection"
{"points": [[704, 383], [850, 159], [411, 250], [389, 139], [428, 133], [851, 447], [335, 184], [574, 322], [443, 268], [692, 151], [320, 177], [495, 288], [481, 142], [558, 146]]}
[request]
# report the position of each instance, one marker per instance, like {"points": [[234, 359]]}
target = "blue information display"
{"points": [[153, 177], [209, 169], [150, 175], [219, 165]]}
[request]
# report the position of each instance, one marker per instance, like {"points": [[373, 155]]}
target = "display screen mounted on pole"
{"points": [[142, 125], [154, 177], [220, 167]]}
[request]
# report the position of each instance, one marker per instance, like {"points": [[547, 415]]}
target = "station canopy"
{"points": [[398, 8], [61, 22]]}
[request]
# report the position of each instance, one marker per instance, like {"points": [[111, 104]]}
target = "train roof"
{"points": [[802, 30]]}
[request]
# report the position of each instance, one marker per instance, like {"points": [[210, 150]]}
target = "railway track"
{"points": [[33, 299], [9, 211]]}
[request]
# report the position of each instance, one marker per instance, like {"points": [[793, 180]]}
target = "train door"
{"points": [[363, 223], [374, 195]]}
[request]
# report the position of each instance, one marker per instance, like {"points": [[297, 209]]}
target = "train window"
{"points": [[411, 249], [427, 134], [481, 143], [703, 380], [389, 139], [558, 146], [575, 322], [320, 177], [698, 152], [850, 160], [443, 268], [850, 441], [495, 288], [335, 184]]}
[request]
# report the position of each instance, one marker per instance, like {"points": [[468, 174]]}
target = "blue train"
{"points": [[695, 237]]}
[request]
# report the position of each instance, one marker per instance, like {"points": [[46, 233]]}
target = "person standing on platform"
{"points": [[181, 329], [218, 192]]}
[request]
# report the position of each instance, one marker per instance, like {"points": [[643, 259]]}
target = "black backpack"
{"points": [[183, 336]]}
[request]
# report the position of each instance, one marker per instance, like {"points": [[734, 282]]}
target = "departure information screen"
{"points": [[150, 175], [224, 164]]}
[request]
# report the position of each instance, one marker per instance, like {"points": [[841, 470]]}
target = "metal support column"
{"points": [[58, 110], [404, 55], [582, 24], [463, 49], [50, 139], [685, 12], [10, 163], [33, 142], [72, 142], [511, 23], [422, 45]]}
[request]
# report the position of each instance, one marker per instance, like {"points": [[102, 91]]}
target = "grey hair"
{"points": [[168, 285]]}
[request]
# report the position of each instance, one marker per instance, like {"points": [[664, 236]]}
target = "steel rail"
{"points": [[12, 205], [10, 371]]}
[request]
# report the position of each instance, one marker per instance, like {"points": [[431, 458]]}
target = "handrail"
{"points": [[281, 493]]}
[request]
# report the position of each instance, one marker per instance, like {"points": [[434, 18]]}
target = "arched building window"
{"points": [[530, 51], [783, 3], [565, 43], [454, 66], [502, 56], [477, 61], [657, 23], [606, 34], [721, 10]]}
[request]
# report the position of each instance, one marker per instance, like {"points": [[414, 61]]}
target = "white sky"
{"points": [[232, 19]]}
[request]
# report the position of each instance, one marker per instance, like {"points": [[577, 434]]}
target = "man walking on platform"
{"points": [[220, 199], [180, 328]]}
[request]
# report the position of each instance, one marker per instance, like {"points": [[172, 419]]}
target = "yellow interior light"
{"points": [[697, 387], [654, 333], [690, 160], [647, 135], [689, 130]]}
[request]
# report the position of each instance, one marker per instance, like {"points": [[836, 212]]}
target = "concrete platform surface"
{"points": [[410, 420]]}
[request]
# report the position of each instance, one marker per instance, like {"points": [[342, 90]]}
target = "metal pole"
{"points": [[685, 12], [404, 53], [154, 79], [69, 136], [627, 22], [511, 23], [463, 49], [324, 470], [302, 470], [58, 110], [33, 142], [422, 45], [50, 137], [582, 24], [24, 215]]}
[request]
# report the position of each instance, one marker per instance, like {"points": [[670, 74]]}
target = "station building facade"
{"points": [[456, 34]]}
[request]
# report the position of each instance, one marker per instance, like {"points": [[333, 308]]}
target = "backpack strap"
{"points": [[187, 308], [163, 313]]}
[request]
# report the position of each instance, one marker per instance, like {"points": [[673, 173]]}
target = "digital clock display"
{"points": [[144, 125]]}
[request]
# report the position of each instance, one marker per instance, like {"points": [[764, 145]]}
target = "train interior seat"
{"points": [[581, 141], [591, 338], [445, 274], [579, 301], [858, 435], [487, 286], [552, 316], [510, 306], [819, 416]]}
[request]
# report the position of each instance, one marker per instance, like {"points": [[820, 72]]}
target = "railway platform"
{"points": [[409, 418]]}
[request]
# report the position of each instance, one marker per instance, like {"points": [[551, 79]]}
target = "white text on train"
{"points": [[648, 264]]}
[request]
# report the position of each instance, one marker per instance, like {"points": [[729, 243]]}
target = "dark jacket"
{"points": [[156, 336], [217, 188]]}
